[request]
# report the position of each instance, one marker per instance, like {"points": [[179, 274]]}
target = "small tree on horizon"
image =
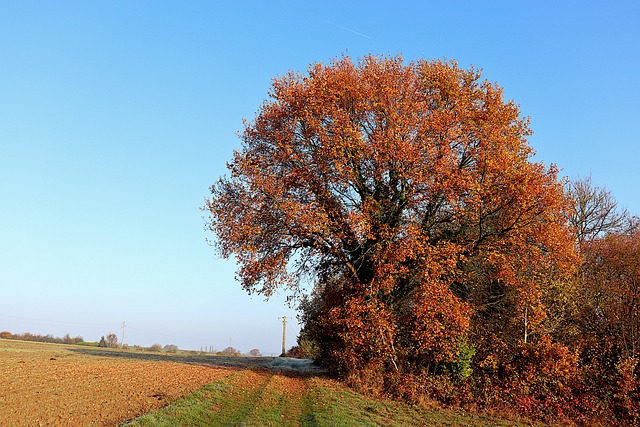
{"points": [[171, 348], [112, 340], [231, 351]]}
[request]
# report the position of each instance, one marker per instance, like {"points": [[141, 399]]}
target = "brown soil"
{"points": [[56, 385]]}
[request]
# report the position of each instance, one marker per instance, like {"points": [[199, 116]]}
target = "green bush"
{"points": [[462, 366]]}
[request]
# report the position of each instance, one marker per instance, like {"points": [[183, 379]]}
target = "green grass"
{"points": [[259, 398], [329, 404], [225, 402]]}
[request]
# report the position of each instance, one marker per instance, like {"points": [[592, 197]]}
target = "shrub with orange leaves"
{"points": [[608, 317], [627, 394]]}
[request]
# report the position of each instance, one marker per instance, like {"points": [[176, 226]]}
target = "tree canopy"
{"points": [[405, 194], [596, 211]]}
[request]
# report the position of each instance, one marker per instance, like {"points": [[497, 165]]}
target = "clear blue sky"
{"points": [[116, 117]]}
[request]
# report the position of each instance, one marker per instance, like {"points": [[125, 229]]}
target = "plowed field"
{"points": [[55, 385], [58, 385]]}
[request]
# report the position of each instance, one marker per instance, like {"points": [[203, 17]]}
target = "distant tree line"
{"points": [[108, 341], [231, 351], [28, 336]]}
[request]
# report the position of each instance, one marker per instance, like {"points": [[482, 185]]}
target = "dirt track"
{"points": [[57, 385]]}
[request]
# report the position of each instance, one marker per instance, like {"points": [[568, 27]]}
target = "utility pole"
{"points": [[122, 338], [284, 332]]}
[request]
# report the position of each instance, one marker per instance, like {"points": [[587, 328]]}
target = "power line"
{"points": [[48, 321]]}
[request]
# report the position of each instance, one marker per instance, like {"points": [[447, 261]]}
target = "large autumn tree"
{"points": [[403, 198]]}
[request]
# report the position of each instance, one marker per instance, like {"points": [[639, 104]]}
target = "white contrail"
{"points": [[351, 31]]}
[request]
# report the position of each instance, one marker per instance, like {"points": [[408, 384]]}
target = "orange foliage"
{"points": [[609, 319], [611, 277], [406, 195]]}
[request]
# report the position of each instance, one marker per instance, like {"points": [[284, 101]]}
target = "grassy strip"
{"points": [[280, 403], [330, 404], [250, 398], [224, 403]]}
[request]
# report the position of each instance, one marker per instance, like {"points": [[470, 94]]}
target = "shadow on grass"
{"points": [[284, 365]]}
